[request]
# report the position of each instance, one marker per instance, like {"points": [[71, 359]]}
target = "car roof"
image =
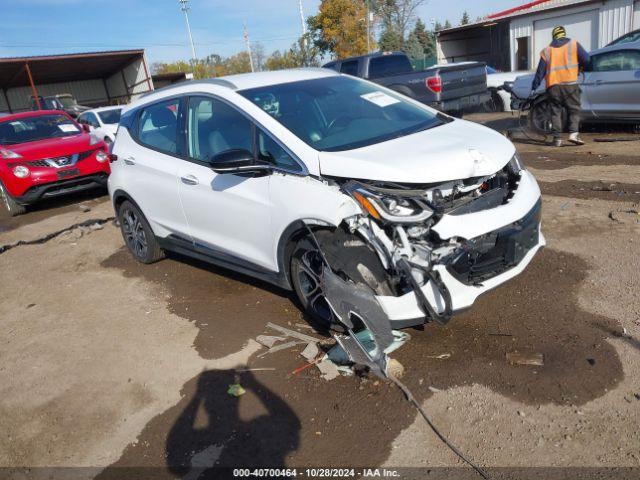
{"points": [[104, 109], [619, 46], [32, 113], [262, 79]]}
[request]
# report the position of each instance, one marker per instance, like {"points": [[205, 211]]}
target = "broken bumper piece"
{"points": [[498, 244]]}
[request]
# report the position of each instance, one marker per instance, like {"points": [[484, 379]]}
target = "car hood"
{"points": [[498, 79], [452, 151], [53, 147]]}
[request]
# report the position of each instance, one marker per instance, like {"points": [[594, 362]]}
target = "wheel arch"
{"points": [[288, 239]]}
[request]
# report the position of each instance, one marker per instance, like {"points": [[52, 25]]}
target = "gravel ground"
{"points": [[107, 364]]}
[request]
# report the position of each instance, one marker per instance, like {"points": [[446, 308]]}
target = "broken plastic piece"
{"points": [[339, 356], [268, 340], [353, 302], [525, 359], [310, 352], [236, 390], [292, 333], [328, 369]]}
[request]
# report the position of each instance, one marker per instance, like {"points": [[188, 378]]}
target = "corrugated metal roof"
{"points": [[520, 10], [64, 68]]}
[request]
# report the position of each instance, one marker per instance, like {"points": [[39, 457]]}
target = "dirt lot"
{"points": [[107, 364]]}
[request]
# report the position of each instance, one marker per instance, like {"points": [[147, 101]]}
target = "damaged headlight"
{"points": [[391, 209], [515, 164]]}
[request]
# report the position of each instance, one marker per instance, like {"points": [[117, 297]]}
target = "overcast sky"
{"points": [[39, 27]]}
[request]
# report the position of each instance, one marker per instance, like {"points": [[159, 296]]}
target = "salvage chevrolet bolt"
{"points": [[282, 175]]}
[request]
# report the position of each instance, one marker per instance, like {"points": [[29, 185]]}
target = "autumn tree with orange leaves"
{"points": [[340, 28]]}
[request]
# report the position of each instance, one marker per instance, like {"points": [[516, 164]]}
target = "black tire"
{"points": [[304, 271], [496, 104], [137, 234], [457, 113], [540, 118], [12, 207]]}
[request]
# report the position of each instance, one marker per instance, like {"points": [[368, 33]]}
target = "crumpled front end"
{"points": [[443, 245]]}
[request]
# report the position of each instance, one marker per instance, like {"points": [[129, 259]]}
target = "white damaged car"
{"points": [[308, 178]]}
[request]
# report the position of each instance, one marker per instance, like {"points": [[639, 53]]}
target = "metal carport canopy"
{"points": [[64, 68]]}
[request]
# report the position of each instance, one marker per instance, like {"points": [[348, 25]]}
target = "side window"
{"points": [[616, 61], [82, 118], [350, 68], [158, 126], [92, 120], [215, 127], [271, 152]]}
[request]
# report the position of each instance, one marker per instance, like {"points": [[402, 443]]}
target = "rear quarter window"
{"points": [[389, 65]]}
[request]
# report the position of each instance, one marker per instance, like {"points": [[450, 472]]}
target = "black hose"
{"points": [[445, 440]]}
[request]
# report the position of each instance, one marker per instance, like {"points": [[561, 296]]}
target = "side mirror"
{"points": [[237, 160], [85, 127]]}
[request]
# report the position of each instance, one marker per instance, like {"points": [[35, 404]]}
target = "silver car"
{"points": [[610, 88]]}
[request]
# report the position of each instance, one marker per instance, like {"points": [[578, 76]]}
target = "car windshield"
{"points": [[30, 129], [341, 113], [67, 101], [111, 117]]}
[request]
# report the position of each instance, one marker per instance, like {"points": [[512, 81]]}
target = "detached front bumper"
{"points": [[513, 231]]}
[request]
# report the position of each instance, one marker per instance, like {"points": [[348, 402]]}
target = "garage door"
{"points": [[580, 26]]}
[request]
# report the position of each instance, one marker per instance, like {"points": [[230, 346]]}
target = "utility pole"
{"points": [[246, 39], [184, 6]]}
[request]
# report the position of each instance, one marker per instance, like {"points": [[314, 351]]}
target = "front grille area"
{"points": [[490, 255], [64, 161]]}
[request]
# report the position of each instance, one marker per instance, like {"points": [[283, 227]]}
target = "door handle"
{"points": [[189, 180], [130, 161]]}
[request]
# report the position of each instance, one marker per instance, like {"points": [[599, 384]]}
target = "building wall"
{"points": [[128, 84], [611, 18], [92, 93], [86, 92]]}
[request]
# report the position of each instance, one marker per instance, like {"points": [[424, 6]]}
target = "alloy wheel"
{"points": [[134, 233], [308, 271]]}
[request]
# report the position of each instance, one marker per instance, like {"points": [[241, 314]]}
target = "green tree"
{"points": [[302, 53], [427, 39], [413, 47], [390, 40], [447, 24], [397, 15], [438, 26], [465, 18]]}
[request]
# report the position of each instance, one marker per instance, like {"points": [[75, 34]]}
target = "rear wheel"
{"points": [[540, 118], [306, 276], [13, 208], [137, 234]]}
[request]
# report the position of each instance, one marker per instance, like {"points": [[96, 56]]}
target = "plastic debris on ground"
{"points": [[339, 356], [268, 340], [525, 359], [236, 390]]}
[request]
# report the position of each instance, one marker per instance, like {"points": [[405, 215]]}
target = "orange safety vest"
{"points": [[562, 64]]}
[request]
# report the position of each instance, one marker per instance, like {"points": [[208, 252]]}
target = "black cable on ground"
{"points": [[46, 238], [444, 439]]}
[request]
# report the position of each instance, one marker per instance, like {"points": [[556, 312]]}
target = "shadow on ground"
{"points": [[210, 427], [537, 312]]}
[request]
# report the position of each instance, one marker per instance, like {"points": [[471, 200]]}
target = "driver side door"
{"points": [[227, 214]]}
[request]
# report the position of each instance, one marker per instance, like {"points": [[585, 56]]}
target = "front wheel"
{"points": [[13, 208], [137, 234], [540, 118], [306, 276]]}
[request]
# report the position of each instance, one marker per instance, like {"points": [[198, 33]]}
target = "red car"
{"points": [[46, 154]]}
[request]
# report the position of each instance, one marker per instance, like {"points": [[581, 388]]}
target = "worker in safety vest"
{"points": [[559, 66]]}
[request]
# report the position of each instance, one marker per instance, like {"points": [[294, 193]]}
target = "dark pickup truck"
{"points": [[450, 88]]}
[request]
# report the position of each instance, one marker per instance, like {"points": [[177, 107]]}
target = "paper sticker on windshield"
{"points": [[67, 127], [380, 98]]}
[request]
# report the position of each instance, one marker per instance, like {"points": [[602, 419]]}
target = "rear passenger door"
{"points": [[151, 164], [227, 214]]}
